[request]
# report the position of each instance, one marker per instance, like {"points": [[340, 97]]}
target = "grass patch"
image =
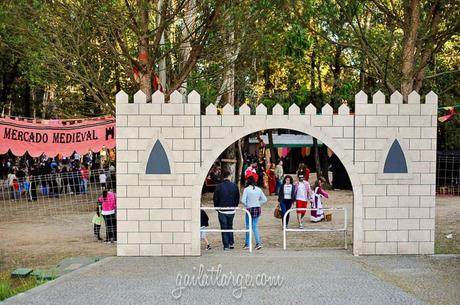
{"points": [[11, 286], [446, 246]]}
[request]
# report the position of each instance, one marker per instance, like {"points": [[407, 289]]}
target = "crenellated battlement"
{"points": [[363, 106]]}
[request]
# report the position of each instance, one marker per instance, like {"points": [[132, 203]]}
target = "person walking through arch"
{"points": [[286, 195], [318, 215], [226, 194], [279, 173], [303, 195], [253, 199], [303, 170]]}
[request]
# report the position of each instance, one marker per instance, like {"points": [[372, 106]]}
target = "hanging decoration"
{"points": [[305, 151], [451, 110]]}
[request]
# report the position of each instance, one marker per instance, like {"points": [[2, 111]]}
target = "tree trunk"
{"points": [[162, 61], [320, 84], [411, 24], [429, 47], [226, 96], [240, 162], [312, 79], [7, 82], [227, 89], [325, 163], [230, 154], [145, 81], [335, 98], [272, 146], [317, 161], [27, 100], [314, 102], [189, 23]]}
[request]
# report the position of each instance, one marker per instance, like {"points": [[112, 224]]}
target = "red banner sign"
{"points": [[55, 137]]}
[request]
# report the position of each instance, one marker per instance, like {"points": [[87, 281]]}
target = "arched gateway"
{"points": [[164, 151]]}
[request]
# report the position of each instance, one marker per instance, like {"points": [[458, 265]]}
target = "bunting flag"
{"points": [[447, 117], [283, 151], [305, 151]]}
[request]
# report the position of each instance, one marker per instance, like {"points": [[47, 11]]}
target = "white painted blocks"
{"points": [[128, 250], [386, 248], [173, 249], [150, 226], [150, 250], [159, 217]]}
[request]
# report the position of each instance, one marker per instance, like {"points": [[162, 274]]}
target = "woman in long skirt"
{"points": [[318, 215], [271, 179]]}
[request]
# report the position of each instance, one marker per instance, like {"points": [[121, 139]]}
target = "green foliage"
{"points": [[73, 53]]}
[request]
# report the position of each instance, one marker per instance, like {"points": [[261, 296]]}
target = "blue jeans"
{"points": [[279, 183], [84, 186], [226, 223], [285, 205], [255, 230]]}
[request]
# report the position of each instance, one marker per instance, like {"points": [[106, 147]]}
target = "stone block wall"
{"points": [[158, 214], [399, 209]]}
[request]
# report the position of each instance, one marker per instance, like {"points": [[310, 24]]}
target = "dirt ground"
{"points": [[270, 228], [447, 222], [40, 234]]}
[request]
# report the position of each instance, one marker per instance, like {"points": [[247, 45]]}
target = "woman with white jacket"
{"points": [[253, 198]]}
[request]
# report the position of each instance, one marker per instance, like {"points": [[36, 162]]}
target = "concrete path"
{"points": [[308, 277]]}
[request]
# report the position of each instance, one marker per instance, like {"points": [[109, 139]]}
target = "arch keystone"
{"points": [[140, 97], [396, 98], [361, 97], [158, 97], [244, 109], [294, 110], [175, 97], [211, 109], [378, 98], [344, 109], [261, 110], [310, 109], [228, 110], [413, 98], [121, 97], [278, 110], [327, 110]]}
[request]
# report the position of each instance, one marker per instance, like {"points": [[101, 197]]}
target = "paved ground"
{"points": [[308, 277]]}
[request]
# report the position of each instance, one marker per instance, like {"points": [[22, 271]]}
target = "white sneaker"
{"points": [[301, 225]]}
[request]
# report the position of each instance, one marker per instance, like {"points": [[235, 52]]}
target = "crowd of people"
{"points": [[27, 178], [290, 193]]}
